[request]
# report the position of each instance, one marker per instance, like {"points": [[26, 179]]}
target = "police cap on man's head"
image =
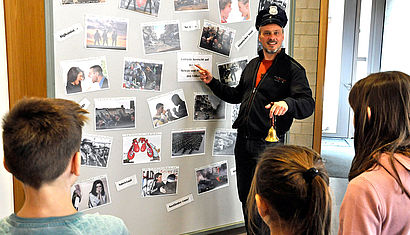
{"points": [[271, 15]]}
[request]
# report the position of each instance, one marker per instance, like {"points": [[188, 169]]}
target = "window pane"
{"points": [[395, 48]]}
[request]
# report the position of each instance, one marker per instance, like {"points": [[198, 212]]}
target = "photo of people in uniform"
{"points": [[160, 181], [90, 193], [212, 177], [85, 75], [167, 108], [190, 5], [230, 73], [188, 143], [224, 143], [141, 148], [95, 150], [161, 37], [216, 38], [114, 113], [148, 7], [208, 107], [142, 74], [106, 32]]}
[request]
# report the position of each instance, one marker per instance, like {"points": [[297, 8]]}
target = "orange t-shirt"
{"points": [[265, 65]]}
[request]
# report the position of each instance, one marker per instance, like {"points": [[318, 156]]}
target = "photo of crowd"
{"points": [[161, 37], [216, 38], [95, 150], [160, 181], [188, 143], [114, 113], [224, 143], [142, 75], [212, 177], [208, 107], [190, 5], [106, 32], [230, 73], [148, 7]]}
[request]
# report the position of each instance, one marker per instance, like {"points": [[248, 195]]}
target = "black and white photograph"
{"points": [[230, 72], [141, 148], [161, 37], [91, 193], [216, 38], [161, 181], [140, 74], [85, 75], [106, 32], [232, 11], [114, 113], [65, 2], [188, 143], [234, 112], [224, 142], [167, 108], [95, 150], [186, 65], [208, 107], [191, 5], [212, 177], [147, 7]]}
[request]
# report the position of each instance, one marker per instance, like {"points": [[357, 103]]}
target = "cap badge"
{"points": [[273, 10]]}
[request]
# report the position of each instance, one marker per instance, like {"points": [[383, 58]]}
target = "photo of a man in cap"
{"points": [[272, 86]]}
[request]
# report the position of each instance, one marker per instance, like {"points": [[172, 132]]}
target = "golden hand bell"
{"points": [[272, 132]]}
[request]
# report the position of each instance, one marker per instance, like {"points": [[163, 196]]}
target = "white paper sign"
{"points": [[190, 25], [84, 103], [245, 37], [186, 65], [126, 182], [180, 202], [68, 32]]}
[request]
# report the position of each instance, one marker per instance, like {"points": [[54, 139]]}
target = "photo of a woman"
{"points": [[97, 195], [74, 77]]}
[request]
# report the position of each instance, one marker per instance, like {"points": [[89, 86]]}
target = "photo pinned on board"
{"points": [[216, 38], [106, 32], [188, 143], [114, 113], [141, 148], [85, 75], [230, 72], [212, 177], [159, 37], [147, 7], [167, 108], [67, 2], [161, 181], [91, 193], [95, 150], [191, 5], [140, 74], [224, 142], [208, 107], [232, 11]]}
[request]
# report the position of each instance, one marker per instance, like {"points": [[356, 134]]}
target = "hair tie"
{"points": [[310, 174]]}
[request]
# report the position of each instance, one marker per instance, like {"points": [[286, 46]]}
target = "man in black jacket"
{"points": [[272, 85]]}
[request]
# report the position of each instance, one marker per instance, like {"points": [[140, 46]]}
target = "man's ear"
{"points": [[76, 163], [261, 205], [5, 165]]}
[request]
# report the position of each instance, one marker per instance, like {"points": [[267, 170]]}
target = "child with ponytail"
{"points": [[290, 191]]}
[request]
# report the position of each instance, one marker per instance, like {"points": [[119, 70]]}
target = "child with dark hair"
{"points": [[290, 191], [377, 200], [41, 141]]}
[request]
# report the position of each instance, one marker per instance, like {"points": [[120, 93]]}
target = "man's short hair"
{"points": [[223, 3], [159, 105], [40, 135], [97, 69]]}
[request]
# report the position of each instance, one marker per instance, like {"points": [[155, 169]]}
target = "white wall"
{"points": [[6, 183]]}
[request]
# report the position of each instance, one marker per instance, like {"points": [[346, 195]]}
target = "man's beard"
{"points": [[271, 51]]}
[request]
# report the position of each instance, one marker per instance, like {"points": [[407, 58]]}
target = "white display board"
{"points": [[131, 40]]}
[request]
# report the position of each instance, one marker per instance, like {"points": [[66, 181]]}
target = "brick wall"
{"points": [[305, 52]]}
